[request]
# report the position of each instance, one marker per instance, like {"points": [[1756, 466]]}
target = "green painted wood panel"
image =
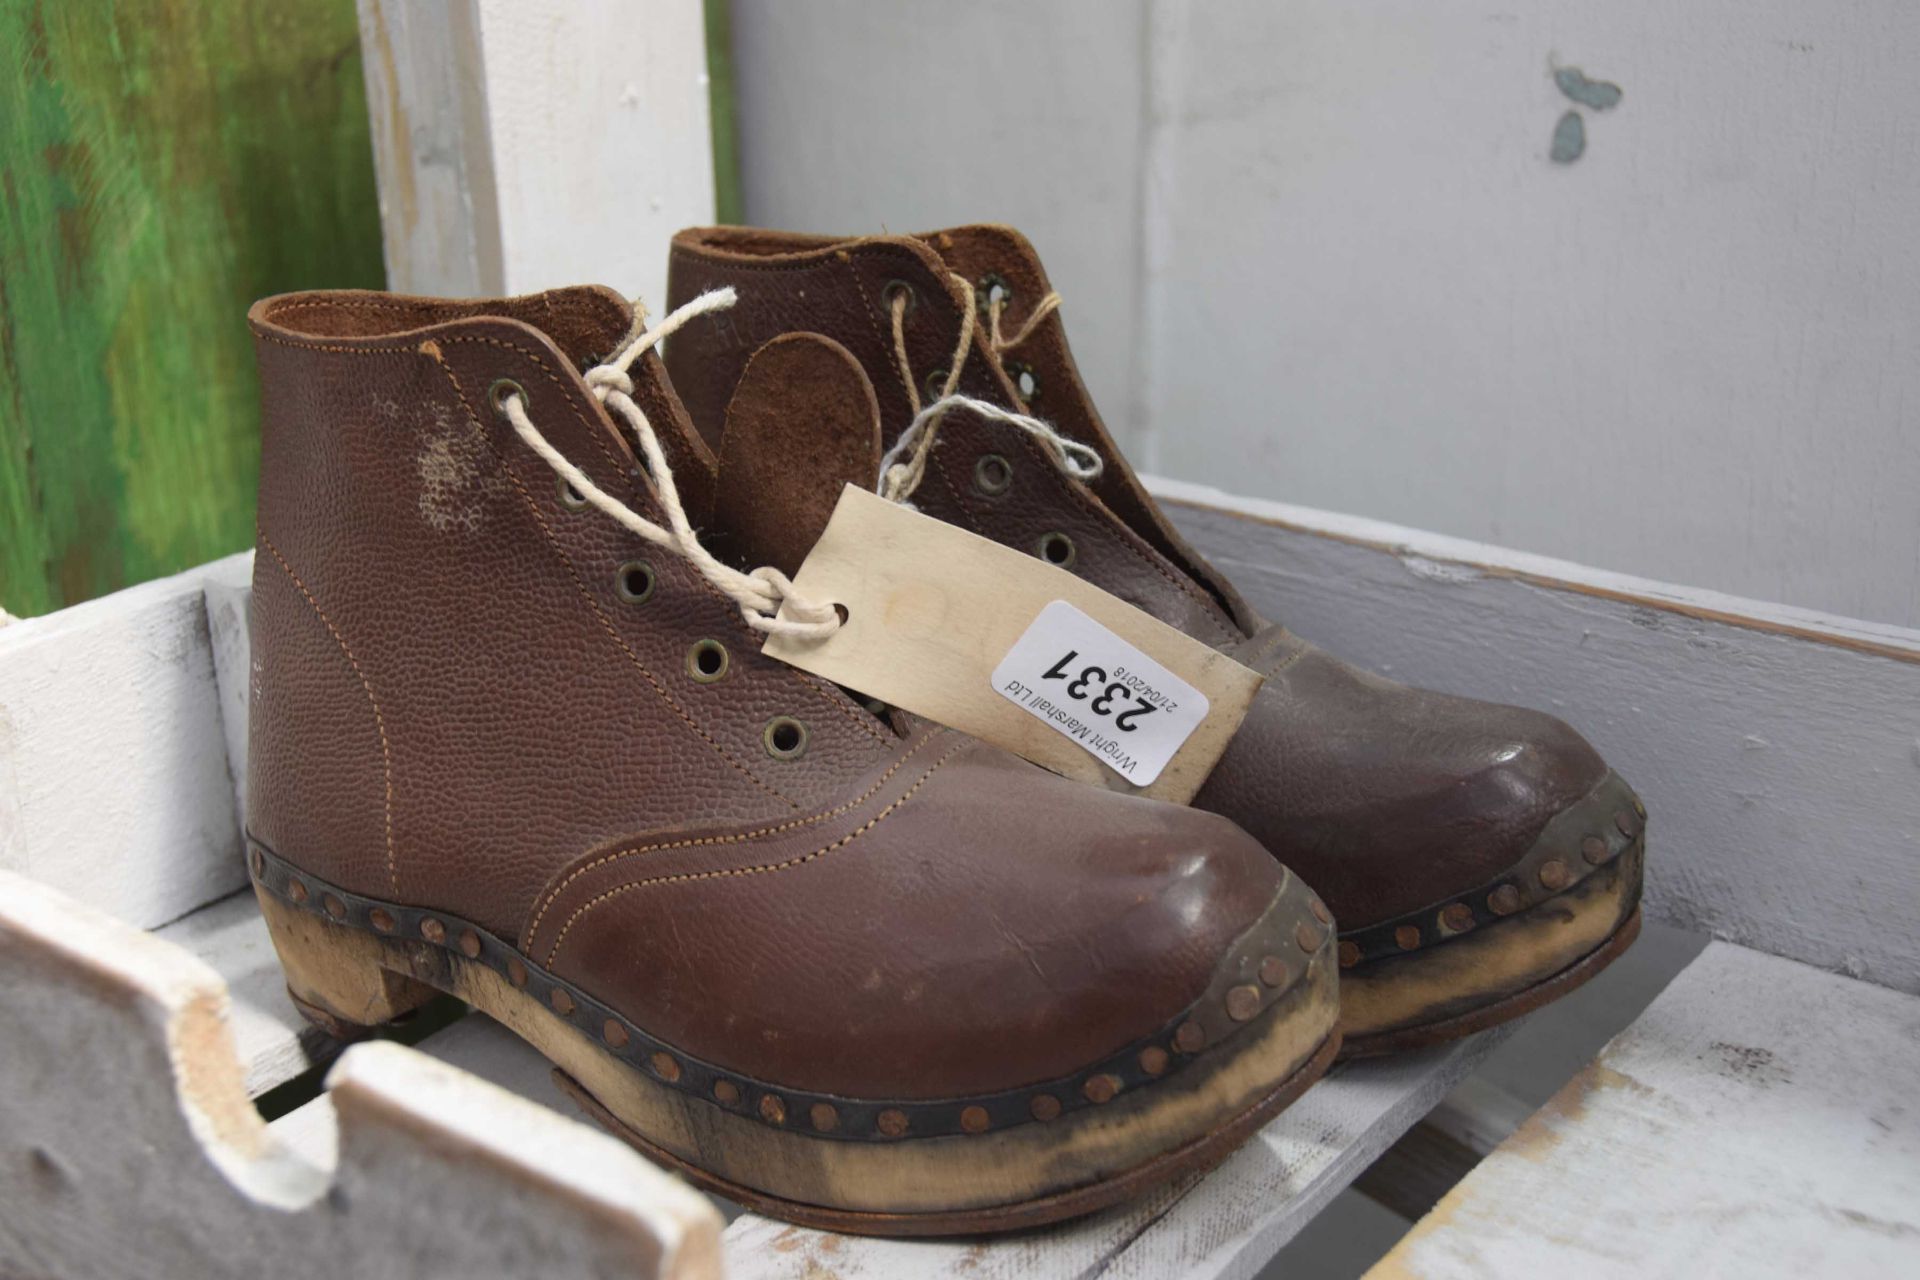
{"points": [[162, 164]]}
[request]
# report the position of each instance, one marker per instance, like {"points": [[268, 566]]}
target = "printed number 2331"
{"points": [[1080, 687]]}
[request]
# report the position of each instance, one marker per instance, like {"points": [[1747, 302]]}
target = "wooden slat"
{"points": [[273, 1042], [129, 1148], [1755, 732], [1758, 1120], [526, 144], [115, 786]]}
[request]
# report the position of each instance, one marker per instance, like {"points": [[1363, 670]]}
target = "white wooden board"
{"points": [[114, 779], [528, 144], [1778, 750], [1758, 1120], [273, 1041], [129, 1147]]}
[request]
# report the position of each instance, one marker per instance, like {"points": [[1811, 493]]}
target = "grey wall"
{"points": [[1319, 251]]}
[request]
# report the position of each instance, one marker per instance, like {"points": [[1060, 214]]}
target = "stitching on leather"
{"points": [[766, 869], [599, 614], [617, 855], [379, 721]]}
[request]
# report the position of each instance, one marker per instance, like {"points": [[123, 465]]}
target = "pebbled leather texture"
{"points": [[1387, 799], [455, 708]]}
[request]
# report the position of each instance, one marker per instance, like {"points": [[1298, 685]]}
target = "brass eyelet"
{"points": [[934, 385], [993, 288], [570, 498], [785, 738], [633, 581], [1026, 383], [897, 289], [992, 475], [1056, 549], [707, 661], [502, 388]]}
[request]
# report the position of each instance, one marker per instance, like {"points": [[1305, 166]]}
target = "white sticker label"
{"points": [[1093, 688]]}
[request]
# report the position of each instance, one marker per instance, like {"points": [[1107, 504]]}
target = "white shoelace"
{"points": [[904, 466], [761, 593]]}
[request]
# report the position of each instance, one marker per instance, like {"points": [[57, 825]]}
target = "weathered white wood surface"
{"points": [[273, 1042], [525, 144], [128, 1145], [1778, 750], [114, 778], [1758, 1120]]}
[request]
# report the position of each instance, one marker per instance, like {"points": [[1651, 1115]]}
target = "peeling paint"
{"points": [[1569, 139], [1600, 95]]}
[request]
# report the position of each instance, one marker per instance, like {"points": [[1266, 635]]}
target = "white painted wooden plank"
{"points": [[1228, 1223], [128, 1147], [526, 144], [228, 590], [1758, 1120], [114, 778], [273, 1042], [432, 160], [1757, 734]]}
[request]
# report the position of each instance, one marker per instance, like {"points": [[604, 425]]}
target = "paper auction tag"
{"points": [[1016, 652]]}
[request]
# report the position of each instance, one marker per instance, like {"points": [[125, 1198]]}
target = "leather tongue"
{"points": [[803, 423]]}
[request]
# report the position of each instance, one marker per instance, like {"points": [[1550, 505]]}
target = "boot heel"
{"points": [[334, 972]]}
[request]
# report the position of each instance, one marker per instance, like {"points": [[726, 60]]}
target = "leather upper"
{"points": [[460, 701], [1387, 799]]}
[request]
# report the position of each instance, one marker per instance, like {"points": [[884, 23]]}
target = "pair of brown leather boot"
{"points": [[513, 737]]}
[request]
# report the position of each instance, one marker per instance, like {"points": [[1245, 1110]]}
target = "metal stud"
{"points": [[1101, 1088], [975, 1119], [516, 972], [1044, 1107], [823, 1117], [1308, 937], [614, 1034], [1554, 875], [333, 906], [1349, 954], [1190, 1038], [773, 1109], [726, 1091], [1628, 823], [1456, 917], [1594, 850], [891, 1122], [1504, 901], [1273, 971], [1407, 937], [433, 931], [666, 1066], [562, 1002], [296, 890], [1319, 910], [1153, 1060], [382, 919], [259, 864], [470, 944], [1243, 1003]]}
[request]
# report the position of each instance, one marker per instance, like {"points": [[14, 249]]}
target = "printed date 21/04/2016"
{"points": [[1082, 685]]}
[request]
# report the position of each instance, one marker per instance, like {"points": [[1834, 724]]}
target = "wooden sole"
{"points": [[1498, 972], [1074, 1162]]}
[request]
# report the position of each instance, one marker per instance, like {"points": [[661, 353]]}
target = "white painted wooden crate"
{"points": [[1756, 1120]]}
